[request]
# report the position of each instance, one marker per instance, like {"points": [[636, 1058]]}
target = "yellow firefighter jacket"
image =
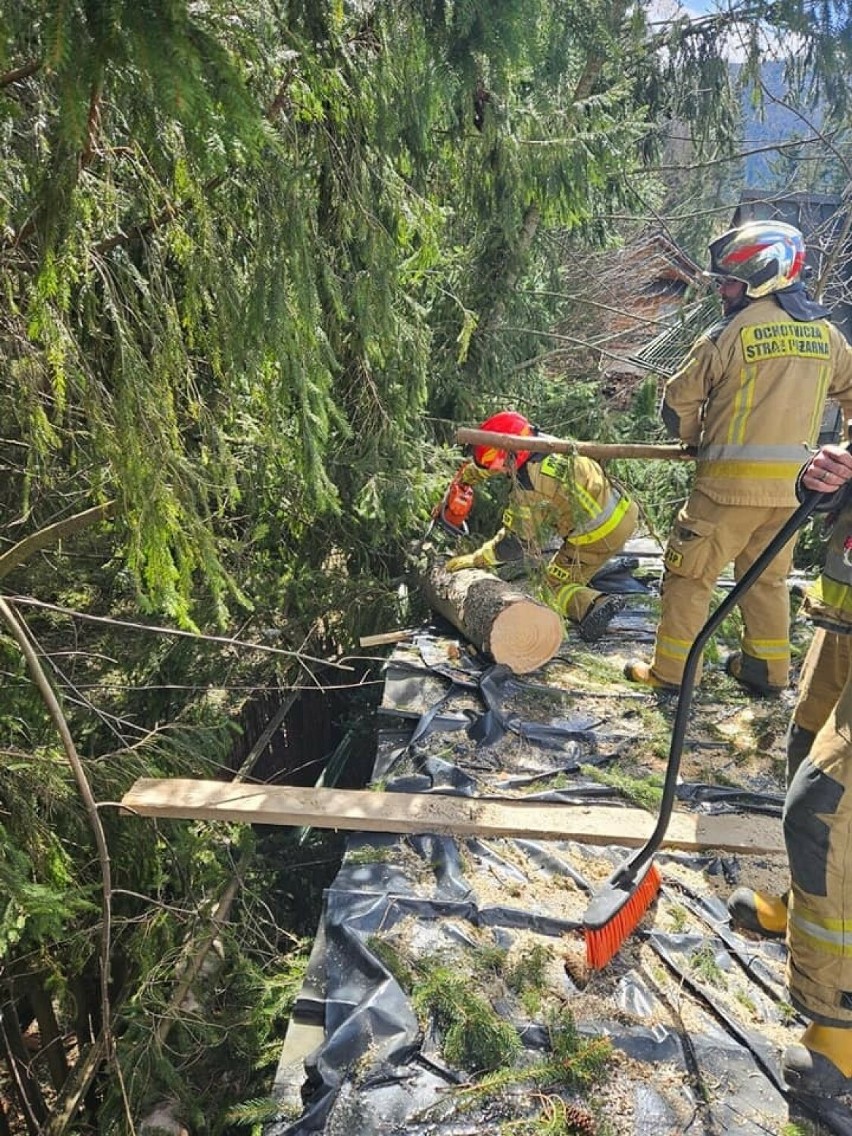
{"points": [[828, 601], [565, 493], [751, 394]]}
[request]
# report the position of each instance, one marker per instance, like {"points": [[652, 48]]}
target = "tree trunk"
{"points": [[22, 1083], [500, 620], [51, 1048]]}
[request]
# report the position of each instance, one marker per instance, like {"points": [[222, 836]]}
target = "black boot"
{"points": [[594, 623]]}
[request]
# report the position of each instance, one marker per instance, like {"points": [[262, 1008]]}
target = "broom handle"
{"points": [[791, 526], [542, 444]]}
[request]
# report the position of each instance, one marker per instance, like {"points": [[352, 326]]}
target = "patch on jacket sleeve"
{"points": [[559, 466]]}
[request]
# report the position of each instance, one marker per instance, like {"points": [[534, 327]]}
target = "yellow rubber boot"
{"points": [[634, 671], [820, 1064], [755, 911], [831, 1042]]}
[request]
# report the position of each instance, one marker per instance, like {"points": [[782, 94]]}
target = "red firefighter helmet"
{"points": [[504, 422], [765, 255]]}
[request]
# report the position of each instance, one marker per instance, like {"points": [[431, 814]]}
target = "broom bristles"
{"points": [[625, 913]]}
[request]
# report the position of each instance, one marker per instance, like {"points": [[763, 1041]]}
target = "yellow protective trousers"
{"points": [[823, 676], [818, 835], [576, 562], [706, 537], [821, 681]]}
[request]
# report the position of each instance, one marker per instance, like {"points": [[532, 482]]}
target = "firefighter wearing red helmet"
{"points": [[563, 493], [750, 398]]}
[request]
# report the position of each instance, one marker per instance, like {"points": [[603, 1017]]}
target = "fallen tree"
{"points": [[498, 618]]}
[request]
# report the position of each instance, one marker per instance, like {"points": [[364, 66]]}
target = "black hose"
{"points": [[634, 863]]}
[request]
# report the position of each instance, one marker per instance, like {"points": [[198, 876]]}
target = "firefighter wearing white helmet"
{"points": [[554, 493], [750, 397], [766, 256]]}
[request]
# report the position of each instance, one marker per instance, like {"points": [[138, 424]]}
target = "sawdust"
{"points": [[510, 879], [711, 986], [728, 739], [763, 873], [615, 1099], [623, 732]]}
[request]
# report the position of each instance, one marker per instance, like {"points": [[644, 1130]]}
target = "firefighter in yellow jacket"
{"points": [[824, 673], [818, 821], [750, 396], [563, 493]]}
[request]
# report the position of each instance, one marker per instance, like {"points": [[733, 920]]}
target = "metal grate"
{"points": [[664, 354]]}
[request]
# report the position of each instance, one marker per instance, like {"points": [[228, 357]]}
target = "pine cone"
{"points": [[579, 1121]]}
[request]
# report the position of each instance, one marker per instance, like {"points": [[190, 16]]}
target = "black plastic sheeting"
{"points": [[375, 1071]]}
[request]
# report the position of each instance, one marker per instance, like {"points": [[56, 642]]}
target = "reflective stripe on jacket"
{"points": [[751, 396], [570, 494]]}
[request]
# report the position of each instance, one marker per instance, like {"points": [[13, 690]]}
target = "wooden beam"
{"points": [[600, 451], [385, 637], [407, 813]]}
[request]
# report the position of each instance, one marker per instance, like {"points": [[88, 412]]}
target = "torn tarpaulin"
{"points": [[488, 720], [695, 1012]]}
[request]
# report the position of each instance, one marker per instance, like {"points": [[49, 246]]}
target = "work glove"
{"points": [[471, 474], [482, 558]]}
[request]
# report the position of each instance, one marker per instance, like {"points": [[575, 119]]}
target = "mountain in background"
{"points": [[773, 122]]}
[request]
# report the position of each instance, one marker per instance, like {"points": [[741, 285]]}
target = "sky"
{"points": [[667, 9], [663, 10]]}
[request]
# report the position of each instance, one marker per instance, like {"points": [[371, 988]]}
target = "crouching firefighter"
{"points": [[554, 493]]}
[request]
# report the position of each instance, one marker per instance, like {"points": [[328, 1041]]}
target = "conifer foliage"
{"points": [[256, 261]]}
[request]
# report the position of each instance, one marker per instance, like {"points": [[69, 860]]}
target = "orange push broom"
{"points": [[617, 909]]}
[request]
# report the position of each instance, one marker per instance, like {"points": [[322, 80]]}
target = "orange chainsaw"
{"points": [[454, 508]]}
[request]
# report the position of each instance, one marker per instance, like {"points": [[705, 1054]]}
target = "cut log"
{"points": [[415, 813], [500, 619]]}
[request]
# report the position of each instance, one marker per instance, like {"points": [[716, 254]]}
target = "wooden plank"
{"points": [[384, 638], [364, 811]]}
